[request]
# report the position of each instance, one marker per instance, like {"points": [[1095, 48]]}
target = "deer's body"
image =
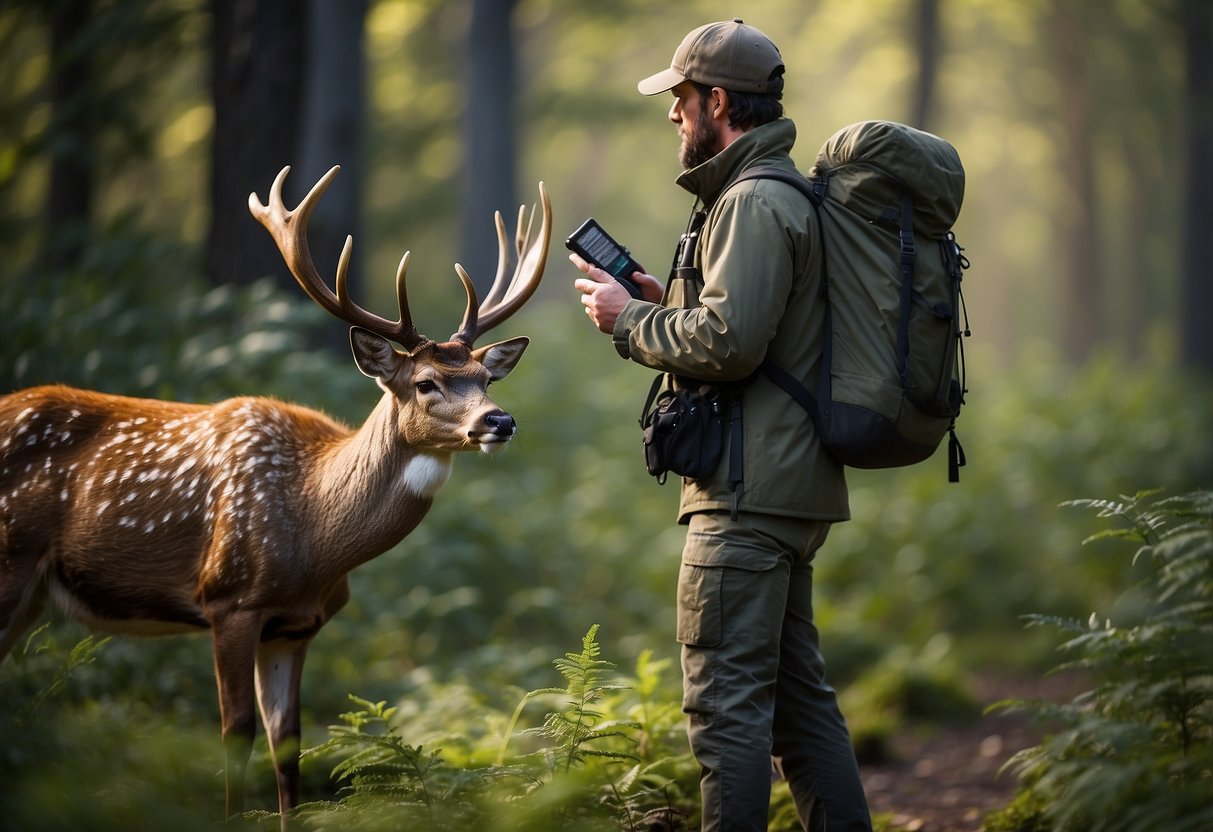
{"points": [[205, 504], [245, 517]]}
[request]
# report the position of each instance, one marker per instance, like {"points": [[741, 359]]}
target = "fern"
{"points": [[83, 653], [1135, 753], [383, 774], [563, 784], [575, 729]]}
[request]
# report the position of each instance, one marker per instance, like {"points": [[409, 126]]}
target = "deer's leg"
{"points": [[235, 639], [22, 600], [279, 670]]}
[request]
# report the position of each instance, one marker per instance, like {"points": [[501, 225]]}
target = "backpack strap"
{"points": [[815, 193], [908, 255]]}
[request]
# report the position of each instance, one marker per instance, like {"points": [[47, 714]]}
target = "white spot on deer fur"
{"points": [[425, 474], [127, 522], [102, 506], [63, 496]]}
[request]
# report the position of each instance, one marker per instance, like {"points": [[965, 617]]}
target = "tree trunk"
{"points": [[257, 71], [69, 196], [489, 130], [332, 132], [1079, 216], [927, 44], [1196, 289]]}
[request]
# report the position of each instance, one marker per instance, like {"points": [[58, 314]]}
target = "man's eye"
{"points": [[426, 386]]}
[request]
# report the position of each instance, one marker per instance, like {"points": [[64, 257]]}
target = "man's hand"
{"points": [[604, 297]]}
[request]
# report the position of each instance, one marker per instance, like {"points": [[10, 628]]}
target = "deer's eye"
{"points": [[426, 386]]}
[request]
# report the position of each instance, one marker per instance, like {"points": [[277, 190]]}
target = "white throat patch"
{"points": [[425, 474]]}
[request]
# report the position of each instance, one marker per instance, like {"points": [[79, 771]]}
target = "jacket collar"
{"points": [[773, 139]]}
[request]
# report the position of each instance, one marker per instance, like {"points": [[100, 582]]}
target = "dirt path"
{"points": [[946, 778], [949, 780]]}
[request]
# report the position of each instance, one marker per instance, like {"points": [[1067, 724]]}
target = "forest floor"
{"points": [[947, 777]]}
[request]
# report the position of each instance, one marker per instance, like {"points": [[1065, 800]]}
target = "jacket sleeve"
{"points": [[747, 261]]}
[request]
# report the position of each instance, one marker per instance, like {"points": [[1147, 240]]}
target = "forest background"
{"points": [[132, 133]]}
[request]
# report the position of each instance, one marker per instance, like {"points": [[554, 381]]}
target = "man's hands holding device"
{"points": [[613, 276], [604, 296]]}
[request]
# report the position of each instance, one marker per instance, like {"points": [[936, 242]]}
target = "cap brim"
{"points": [[661, 82]]}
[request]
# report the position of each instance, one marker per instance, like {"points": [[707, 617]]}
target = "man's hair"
{"points": [[749, 110]]}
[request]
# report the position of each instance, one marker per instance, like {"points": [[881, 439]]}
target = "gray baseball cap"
{"points": [[728, 54]]}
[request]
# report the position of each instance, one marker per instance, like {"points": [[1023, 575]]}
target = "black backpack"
{"points": [[892, 381]]}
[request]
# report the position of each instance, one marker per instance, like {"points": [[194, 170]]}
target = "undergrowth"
{"points": [[596, 762], [1135, 752]]}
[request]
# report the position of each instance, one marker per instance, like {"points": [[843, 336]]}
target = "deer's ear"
{"points": [[501, 357], [374, 354]]}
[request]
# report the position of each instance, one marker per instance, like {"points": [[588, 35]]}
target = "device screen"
{"points": [[603, 250]]}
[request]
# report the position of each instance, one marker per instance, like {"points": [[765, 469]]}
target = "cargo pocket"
{"points": [[699, 605]]}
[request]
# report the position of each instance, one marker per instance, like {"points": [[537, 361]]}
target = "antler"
{"points": [[289, 230], [506, 297]]}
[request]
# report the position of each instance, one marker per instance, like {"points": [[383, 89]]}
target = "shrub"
{"points": [[1135, 752], [589, 765]]}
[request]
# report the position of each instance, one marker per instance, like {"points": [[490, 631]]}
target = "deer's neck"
{"points": [[374, 488]]}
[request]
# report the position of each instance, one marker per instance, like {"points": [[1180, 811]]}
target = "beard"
{"points": [[699, 144]]}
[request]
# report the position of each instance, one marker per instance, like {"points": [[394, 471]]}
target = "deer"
{"points": [[244, 518]]}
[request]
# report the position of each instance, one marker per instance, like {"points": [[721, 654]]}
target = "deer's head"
{"points": [[439, 390]]}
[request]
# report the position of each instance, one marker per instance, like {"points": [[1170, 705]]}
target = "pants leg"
{"points": [[811, 745], [744, 587]]}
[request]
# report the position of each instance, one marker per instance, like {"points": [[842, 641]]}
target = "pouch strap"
{"points": [[736, 451], [648, 400]]}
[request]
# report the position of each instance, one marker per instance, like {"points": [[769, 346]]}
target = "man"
{"points": [[753, 676]]}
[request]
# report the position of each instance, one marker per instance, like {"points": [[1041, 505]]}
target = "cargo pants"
{"points": [[754, 688]]}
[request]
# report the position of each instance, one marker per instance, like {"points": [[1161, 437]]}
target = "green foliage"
{"points": [[73, 762], [581, 772], [1135, 752], [571, 731], [83, 653]]}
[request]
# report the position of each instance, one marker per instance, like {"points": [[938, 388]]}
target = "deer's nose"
{"points": [[501, 424]]}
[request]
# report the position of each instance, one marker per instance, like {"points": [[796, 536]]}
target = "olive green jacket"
{"points": [[761, 272]]}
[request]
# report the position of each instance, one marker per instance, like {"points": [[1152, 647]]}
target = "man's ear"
{"points": [[374, 354], [718, 101], [501, 357]]}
